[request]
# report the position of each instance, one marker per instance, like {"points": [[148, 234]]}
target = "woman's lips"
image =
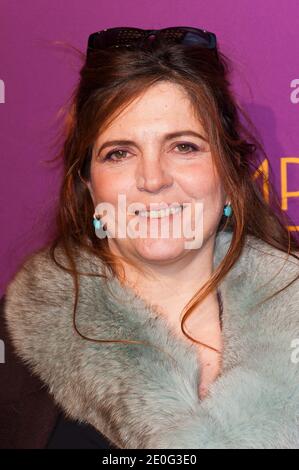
{"points": [[160, 214], [156, 208]]}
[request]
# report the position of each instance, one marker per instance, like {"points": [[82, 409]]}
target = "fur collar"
{"points": [[138, 396]]}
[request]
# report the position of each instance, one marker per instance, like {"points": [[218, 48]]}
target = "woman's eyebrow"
{"points": [[169, 136]]}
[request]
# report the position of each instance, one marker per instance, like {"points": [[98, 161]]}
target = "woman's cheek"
{"points": [[199, 183]]}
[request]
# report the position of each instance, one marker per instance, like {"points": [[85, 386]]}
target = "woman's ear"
{"points": [[87, 183]]}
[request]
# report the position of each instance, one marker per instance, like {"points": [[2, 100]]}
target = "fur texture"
{"points": [[138, 396]]}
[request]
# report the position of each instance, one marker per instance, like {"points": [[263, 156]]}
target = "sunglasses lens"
{"points": [[194, 38], [115, 37], [187, 37]]}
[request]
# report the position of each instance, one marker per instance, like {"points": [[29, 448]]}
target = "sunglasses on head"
{"points": [[136, 37]]}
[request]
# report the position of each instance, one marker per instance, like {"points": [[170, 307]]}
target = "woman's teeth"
{"points": [[161, 213]]}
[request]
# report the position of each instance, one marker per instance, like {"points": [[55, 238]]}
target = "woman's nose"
{"points": [[152, 176]]}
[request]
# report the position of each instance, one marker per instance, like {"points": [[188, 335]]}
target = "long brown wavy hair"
{"points": [[109, 81]]}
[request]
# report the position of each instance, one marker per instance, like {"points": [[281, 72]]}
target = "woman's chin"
{"points": [[159, 249]]}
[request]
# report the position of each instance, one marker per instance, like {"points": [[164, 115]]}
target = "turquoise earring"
{"points": [[96, 222], [227, 211]]}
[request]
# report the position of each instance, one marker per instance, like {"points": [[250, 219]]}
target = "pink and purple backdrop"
{"points": [[37, 78]]}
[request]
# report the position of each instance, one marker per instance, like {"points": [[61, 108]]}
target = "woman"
{"points": [[162, 341]]}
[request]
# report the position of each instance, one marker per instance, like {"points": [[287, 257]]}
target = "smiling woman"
{"points": [[158, 125]]}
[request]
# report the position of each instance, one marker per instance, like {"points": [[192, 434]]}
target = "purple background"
{"points": [[261, 37]]}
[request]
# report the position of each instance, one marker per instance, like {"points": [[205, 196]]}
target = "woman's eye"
{"points": [[114, 152], [188, 146]]}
